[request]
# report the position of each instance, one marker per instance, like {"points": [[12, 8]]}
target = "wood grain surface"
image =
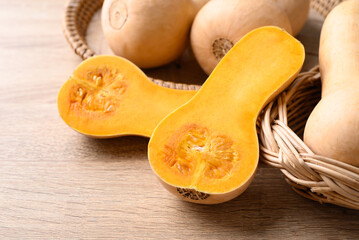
{"points": [[58, 184]]}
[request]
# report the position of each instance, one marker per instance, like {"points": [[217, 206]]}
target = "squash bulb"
{"points": [[198, 4], [297, 12], [218, 26], [108, 96], [149, 33], [332, 129]]}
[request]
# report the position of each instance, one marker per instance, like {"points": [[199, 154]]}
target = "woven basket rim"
{"points": [[315, 177]]}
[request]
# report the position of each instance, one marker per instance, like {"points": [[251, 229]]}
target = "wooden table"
{"points": [[56, 183]]}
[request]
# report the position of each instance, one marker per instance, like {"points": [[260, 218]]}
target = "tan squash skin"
{"points": [[332, 129], [150, 33], [207, 150], [108, 96], [198, 4], [297, 12], [218, 26]]}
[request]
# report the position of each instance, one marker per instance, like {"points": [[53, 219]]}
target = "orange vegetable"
{"points": [[207, 150]]}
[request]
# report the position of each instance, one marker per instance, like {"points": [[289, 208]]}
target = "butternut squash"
{"points": [[150, 33], [108, 96], [332, 129], [198, 4], [297, 12], [207, 150], [218, 25]]}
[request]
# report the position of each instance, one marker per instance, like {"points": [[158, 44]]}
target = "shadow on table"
{"points": [[116, 148], [264, 206], [267, 207], [252, 211]]}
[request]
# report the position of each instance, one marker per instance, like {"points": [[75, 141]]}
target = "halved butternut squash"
{"points": [[207, 150], [108, 96]]}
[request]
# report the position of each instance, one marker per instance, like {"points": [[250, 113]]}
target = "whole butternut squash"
{"points": [[207, 150], [220, 24], [198, 4], [149, 33], [332, 129], [297, 12]]}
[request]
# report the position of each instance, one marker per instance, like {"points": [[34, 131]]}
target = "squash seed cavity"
{"points": [[197, 152], [220, 47], [98, 90]]}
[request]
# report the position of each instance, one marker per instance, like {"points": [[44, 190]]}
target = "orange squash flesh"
{"points": [[108, 96], [207, 150]]}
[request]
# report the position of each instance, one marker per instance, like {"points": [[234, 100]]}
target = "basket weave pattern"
{"points": [[78, 15], [280, 125]]}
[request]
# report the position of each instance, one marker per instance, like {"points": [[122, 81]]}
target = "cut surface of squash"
{"points": [[108, 96], [207, 150]]}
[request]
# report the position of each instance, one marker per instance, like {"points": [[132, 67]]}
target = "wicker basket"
{"points": [[280, 125]]}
